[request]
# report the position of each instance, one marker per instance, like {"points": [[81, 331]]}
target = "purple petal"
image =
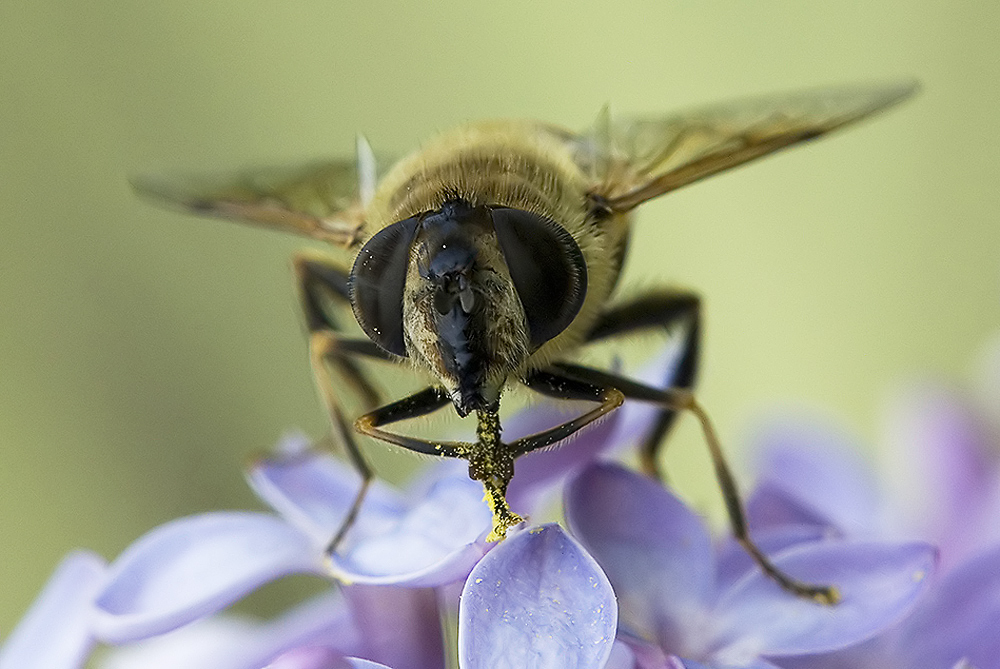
{"points": [[960, 618], [817, 468], [772, 506], [879, 652], [735, 562], [310, 657], [435, 542], [940, 464], [957, 619], [542, 473], [400, 627], [321, 658], [232, 643], [314, 491], [878, 584], [195, 566], [326, 619], [539, 474], [621, 657], [210, 643], [55, 633], [537, 600], [646, 655], [656, 552]]}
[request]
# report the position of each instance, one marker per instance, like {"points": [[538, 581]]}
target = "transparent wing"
{"points": [[322, 200], [633, 160]]}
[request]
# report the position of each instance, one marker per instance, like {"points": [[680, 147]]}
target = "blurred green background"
{"points": [[145, 354]]}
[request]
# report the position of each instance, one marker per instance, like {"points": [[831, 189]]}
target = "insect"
{"points": [[489, 257]]}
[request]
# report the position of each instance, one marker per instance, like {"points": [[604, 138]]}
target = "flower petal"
{"points": [[735, 562], [195, 566], [960, 618], [56, 631], [314, 491], [437, 541], [537, 600], [940, 467], [772, 505], [646, 655], [878, 584], [540, 473], [318, 657], [209, 643], [818, 469], [656, 552], [358, 663], [228, 642], [400, 627], [621, 657]]}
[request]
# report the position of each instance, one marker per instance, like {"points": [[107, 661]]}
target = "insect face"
{"points": [[468, 292]]}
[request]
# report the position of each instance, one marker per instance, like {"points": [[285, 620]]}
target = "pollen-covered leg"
{"points": [[490, 460], [683, 399], [662, 309], [493, 464]]}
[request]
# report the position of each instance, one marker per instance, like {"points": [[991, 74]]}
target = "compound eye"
{"points": [[377, 281], [547, 268]]}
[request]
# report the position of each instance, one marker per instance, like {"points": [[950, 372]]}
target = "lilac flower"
{"points": [[538, 598], [235, 643], [400, 626], [946, 471], [659, 559], [332, 628], [161, 594], [196, 566], [56, 631]]}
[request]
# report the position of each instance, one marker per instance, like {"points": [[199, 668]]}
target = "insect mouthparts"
{"points": [[452, 288]]}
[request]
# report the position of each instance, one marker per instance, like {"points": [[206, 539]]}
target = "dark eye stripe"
{"points": [[547, 268], [377, 281]]}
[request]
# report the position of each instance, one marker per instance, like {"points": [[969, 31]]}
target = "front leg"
{"points": [[491, 461]]}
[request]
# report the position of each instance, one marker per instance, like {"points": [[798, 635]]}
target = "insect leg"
{"points": [[683, 399], [552, 383], [490, 460], [331, 354], [418, 404], [663, 309]]}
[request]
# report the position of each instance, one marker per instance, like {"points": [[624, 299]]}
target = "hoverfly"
{"points": [[490, 256]]}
